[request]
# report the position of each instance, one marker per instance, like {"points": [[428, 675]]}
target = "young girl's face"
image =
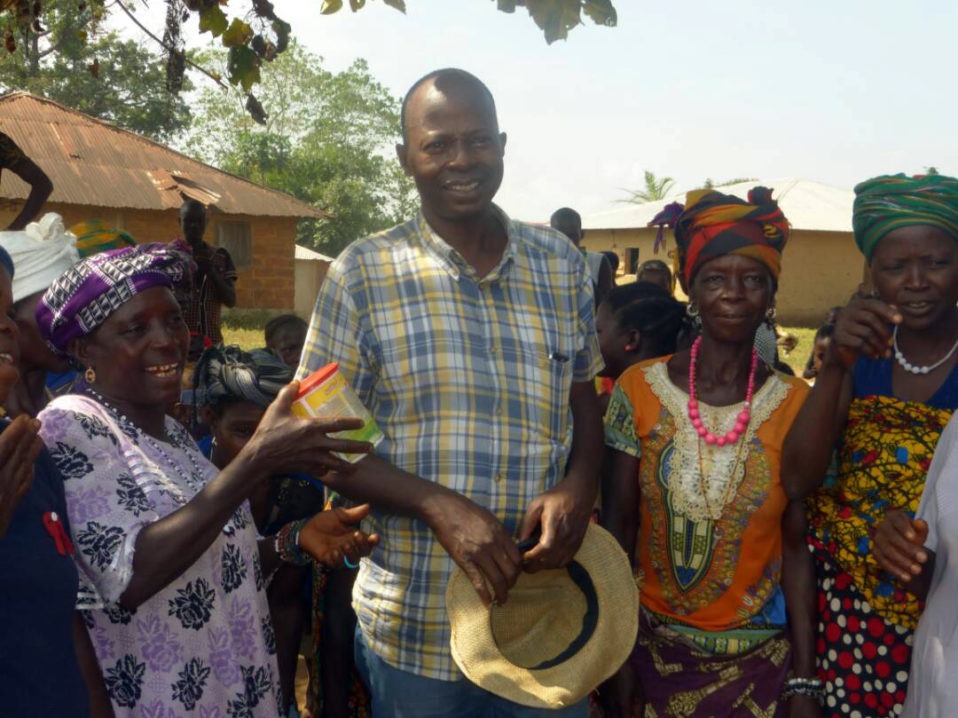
{"points": [[233, 428], [612, 342], [818, 353], [288, 343]]}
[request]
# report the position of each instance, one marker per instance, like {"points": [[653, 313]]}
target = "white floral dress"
{"points": [[203, 646]]}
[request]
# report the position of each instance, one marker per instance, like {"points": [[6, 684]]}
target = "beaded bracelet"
{"points": [[286, 544], [811, 687]]}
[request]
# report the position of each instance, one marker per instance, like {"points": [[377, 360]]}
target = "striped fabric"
{"points": [[715, 224], [469, 380], [884, 204]]}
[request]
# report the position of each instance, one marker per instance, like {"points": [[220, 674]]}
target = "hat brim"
{"points": [[480, 658]]}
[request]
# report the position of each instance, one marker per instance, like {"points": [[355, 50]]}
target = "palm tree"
{"points": [[655, 188]]}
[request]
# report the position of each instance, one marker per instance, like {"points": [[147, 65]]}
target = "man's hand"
{"points": [[19, 448], [330, 536], [478, 542], [562, 516], [203, 257]]}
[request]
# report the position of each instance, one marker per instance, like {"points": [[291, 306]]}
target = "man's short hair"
{"points": [[189, 204], [445, 73], [565, 215]]}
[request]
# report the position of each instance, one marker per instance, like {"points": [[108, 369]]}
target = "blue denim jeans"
{"points": [[400, 694]]}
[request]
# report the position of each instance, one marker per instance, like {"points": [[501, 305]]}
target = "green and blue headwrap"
{"points": [[883, 204]]}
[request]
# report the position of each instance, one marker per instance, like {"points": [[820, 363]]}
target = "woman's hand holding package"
{"points": [[286, 442]]}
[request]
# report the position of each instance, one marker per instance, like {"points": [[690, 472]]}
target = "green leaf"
{"points": [[399, 5], [282, 30], [601, 12], [330, 6], [239, 33], [356, 5], [508, 6], [255, 109], [243, 67], [212, 20]]}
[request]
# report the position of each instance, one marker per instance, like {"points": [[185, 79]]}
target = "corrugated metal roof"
{"points": [[807, 204], [310, 254], [94, 163]]}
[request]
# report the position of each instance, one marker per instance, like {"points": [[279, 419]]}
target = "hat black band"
{"points": [[580, 577]]}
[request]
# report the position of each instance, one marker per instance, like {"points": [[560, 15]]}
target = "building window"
{"points": [[235, 238], [631, 260]]}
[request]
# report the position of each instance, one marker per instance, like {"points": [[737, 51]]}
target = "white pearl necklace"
{"points": [[177, 466], [909, 367]]}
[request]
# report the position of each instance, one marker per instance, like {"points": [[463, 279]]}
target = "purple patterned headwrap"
{"points": [[85, 296]]}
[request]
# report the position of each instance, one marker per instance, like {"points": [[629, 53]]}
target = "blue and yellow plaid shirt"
{"points": [[469, 379]]}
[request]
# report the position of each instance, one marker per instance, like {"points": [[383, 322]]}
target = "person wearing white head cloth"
{"points": [[41, 253]]}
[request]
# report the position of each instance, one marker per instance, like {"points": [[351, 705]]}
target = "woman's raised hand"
{"points": [[331, 536], [19, 448], [862, 328]]}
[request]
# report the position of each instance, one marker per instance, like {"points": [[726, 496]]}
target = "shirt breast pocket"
{"points": [[541, 385]]}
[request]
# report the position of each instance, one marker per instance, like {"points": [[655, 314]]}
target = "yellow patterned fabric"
{"points": [[883, 461]]}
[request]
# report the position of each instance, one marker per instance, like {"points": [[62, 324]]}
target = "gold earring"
{"points": [[90, 375]]}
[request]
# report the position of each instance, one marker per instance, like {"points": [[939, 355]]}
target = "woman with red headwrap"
{"points": [[694, 494]]}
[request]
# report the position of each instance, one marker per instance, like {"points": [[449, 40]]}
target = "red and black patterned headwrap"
{"points": [[715, 224]]}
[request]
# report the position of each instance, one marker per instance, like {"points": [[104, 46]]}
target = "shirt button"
{"points": [[498, 478]]}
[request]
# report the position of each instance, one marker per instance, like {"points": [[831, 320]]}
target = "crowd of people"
{"points": [[170, 527]]}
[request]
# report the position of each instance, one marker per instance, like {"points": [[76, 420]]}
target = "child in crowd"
{"points": [[657, 272], [819, 347], [636, 322], [286, 335], [824, 334]]}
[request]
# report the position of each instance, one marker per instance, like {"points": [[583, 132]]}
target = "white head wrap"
{"points": [[41, 252]]}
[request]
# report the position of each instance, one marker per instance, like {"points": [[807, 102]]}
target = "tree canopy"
{"points": [[250, 30], [328, 141], [105, 77], [655, 188]]}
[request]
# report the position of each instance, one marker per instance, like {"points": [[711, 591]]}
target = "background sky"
{"points": [[829, 90]]}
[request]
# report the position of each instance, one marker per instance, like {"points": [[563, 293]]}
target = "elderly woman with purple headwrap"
{"points": [[886, 389], [172, 573]]}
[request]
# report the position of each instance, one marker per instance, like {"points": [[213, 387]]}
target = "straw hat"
{"points": [[561, 633]]}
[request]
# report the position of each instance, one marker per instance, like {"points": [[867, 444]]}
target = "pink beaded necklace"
{"points": [[744, 416]]}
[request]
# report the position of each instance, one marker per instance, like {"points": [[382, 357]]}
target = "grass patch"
{"points": [[799, 355], [246, 338]]}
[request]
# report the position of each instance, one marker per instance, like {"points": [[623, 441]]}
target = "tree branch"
{"points": [[158, 41]]}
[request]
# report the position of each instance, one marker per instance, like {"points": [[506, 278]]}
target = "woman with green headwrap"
{"points": [[887, 387]]}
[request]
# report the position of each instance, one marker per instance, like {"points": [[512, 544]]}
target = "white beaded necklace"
{"points": [[909, 367], [138, 432]]}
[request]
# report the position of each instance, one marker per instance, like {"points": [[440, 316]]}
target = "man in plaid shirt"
{"points": [[471, 339]]}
